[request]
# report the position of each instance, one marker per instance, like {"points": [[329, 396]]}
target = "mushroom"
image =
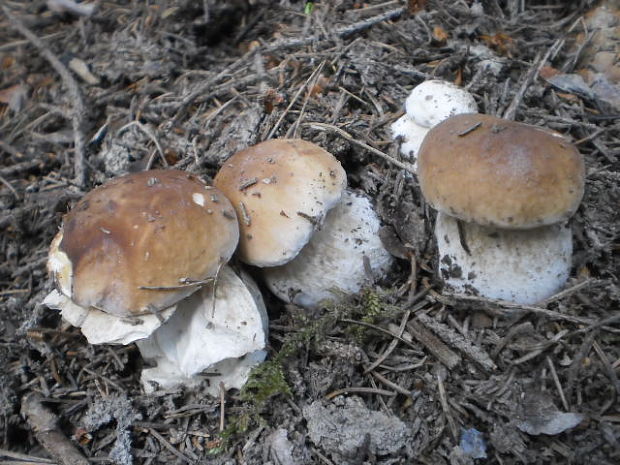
{"points": [[428, 104], [129, 255], [411, 135], [133, 247], [281, 189], [505, 191], [332, 264], [226, 338], [433, 101], [141, 242]]}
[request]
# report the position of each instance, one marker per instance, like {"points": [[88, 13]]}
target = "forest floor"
{"points": [[402, 372]]}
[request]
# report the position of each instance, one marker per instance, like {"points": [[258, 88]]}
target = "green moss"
{"points": [[266, 381]]}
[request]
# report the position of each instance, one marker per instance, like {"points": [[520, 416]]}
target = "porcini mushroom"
{"points": [[332, 264], [428, 104], [504, 191], [137, 245], [281, 189]]}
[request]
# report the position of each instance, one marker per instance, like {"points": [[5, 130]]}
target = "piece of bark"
{"points": [[456, 340], [434, 345], [45, 426]]}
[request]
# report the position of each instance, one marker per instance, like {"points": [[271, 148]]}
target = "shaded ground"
{"points": [[186, 84]]}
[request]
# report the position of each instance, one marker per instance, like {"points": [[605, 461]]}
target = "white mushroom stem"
{"points": [[226, 340], [520, 266], [412, 135], [332, 264]]}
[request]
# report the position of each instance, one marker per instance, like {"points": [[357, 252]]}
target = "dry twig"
{"points": [[454, 339], [79, 109], [44, 424]]}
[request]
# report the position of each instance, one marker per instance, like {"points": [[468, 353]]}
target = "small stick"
{"points": [[359, 390], [11, 188], [79, 109], [470, 129], [215, 283], [169, 446], [340, 32], [391, 384], [434, 345], [248, 183], [391, 346], [185, 282], [222, 405], [23, 459], [557, 383], [382, 330], [45, 426], [151, 136], [454, 339], [532, 74], [443, 399], [462, 236], [295, 97], [247, 219], [350, 138]]}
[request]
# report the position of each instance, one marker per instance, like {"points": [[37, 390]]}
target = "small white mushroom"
{"points": [[433, 101], [520, 266], [332, 264], [225, 340]]}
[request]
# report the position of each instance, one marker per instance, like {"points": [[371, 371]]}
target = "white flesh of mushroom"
{"points": [[412, 135], [433, 101], [228, 340], [102, 328], [332, 263], [524, 266]]}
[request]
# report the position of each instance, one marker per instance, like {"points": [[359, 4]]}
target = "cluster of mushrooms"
{"points": [[145, 257], [504, 192]]}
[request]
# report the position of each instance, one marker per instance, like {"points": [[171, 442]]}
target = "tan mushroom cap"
{"points": [[495, 172], [281, 189], [150, 229]]}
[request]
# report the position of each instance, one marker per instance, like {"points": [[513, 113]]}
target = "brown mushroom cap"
{"points": [[495, 172], [149, 229], [281, 189]]}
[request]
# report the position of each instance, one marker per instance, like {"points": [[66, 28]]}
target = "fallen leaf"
{"points": [[501, 42], [547, 72], [440, 35], [415, 6], [14, 96]]}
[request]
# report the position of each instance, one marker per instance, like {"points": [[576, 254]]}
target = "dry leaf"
{"points": [[14, 96], [440, 35], [458, 79], [7, 62], [501, 42], [547, 72], [415, 6]]}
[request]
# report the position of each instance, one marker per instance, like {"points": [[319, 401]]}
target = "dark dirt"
{"points": [[186, 84]]}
